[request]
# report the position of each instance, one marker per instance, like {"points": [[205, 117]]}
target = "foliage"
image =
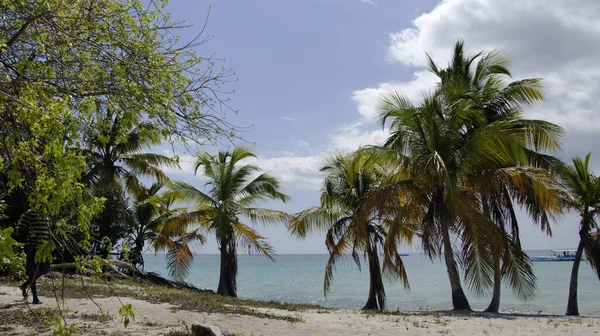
{"points": [[12, 258], [59, 326], [153, 219], [67, 67], [116, 160], [126, 312]]}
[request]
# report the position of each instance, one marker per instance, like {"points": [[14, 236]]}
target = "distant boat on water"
{"points": [[404, 254], [557, 255]]}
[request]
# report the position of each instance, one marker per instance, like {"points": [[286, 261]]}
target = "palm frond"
{"points": [[337, 249], [517, 268], [262, 187], [187, 193], [180, 256], [266, 216], [252, 241], [317, 219]]}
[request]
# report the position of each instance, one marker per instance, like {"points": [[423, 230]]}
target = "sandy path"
{"points": [[159, 319]]}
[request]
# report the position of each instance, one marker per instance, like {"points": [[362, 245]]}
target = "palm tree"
{"points": [[116, 158], [535, 191], [529, 181], [583, 189], [230, 193], [354, 226], [469, 127], [151, 217]]}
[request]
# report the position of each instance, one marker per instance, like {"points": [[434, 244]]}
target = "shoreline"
{"points": [[160, 312]]}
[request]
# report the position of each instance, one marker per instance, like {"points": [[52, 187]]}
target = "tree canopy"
{"points": [[66, 66]]}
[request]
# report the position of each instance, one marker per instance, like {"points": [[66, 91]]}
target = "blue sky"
{"points": [[310, 73]]}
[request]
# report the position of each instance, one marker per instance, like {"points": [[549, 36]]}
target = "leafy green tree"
{"points": [[454, 136], [231, 191], [583, 188], [353, 226], [65, 64]]}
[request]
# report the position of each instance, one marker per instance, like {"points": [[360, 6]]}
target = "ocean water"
{"points": [[299, 279]]}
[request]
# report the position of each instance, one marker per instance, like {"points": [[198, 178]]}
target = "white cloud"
{"points": [[293, 170], [298, 172], [553, 40], [186, 162], [368, 99], [352, 136], [370, 2], [288, 118]]}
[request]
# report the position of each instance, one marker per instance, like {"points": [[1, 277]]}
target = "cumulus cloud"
{"points": [[186, 162], [553, 40], [368, 99], [298, 172], [353, 136]]}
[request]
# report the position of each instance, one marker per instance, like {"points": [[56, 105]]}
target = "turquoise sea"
{"points": [[299, 278]]}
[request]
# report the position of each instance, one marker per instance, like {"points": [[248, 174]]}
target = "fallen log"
{"points": [[129, 271]]}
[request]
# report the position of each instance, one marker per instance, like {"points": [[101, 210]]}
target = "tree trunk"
{"points": [[572, 307], [459, 299], [138, 259], [376, 290], [495, 303], [227, 279]]}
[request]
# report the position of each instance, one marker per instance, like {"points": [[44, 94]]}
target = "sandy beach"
{"points": [[161, 319]]}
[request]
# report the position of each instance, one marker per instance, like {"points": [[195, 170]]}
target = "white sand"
{"points": [[159, 319]]}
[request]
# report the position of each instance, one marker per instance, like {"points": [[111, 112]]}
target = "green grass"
{"points": [[206, 301]]}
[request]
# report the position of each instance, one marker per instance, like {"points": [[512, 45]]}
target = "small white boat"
{"points": [[557, 255]]}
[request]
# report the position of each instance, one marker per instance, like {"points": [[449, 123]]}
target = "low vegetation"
{"points": [[204, 302]]}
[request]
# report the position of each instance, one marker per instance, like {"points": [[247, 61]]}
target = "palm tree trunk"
{"points": [[376, 290], [227, 278], [572, 307], [459, 299], [138, 259], [495, 303]]}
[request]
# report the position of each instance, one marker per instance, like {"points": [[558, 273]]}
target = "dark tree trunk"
{"points": [[495, 303], [572, 307], [376, 290], [227, 279], [137, 258], [459, 299]]}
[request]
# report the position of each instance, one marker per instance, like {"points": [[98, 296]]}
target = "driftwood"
{"points": [[129, 271]]}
